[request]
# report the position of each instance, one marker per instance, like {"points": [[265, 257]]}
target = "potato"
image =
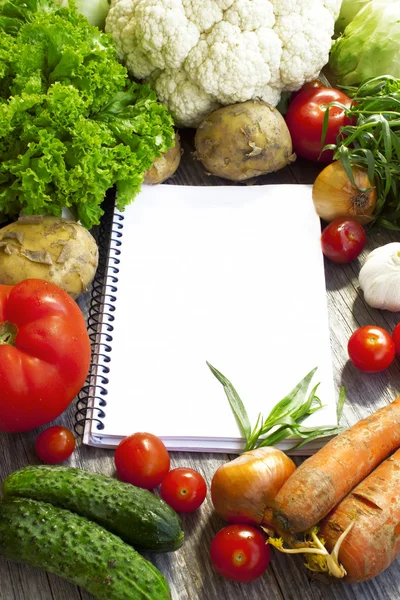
{"points": [[50, 248], [165, 166], [244, 140]]}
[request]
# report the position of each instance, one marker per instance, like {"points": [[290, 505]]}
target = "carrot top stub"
{"points": [[325, 478]]}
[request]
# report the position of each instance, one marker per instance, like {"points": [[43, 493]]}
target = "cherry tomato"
{"points": [[239, 552], [305, 116], [396, 339], [343, 240], [142, 460], [55, 444], [371, 349], [183, 489]]}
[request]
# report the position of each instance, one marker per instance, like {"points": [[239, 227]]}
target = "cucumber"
{"points": [[74, 548], [136, 515]]}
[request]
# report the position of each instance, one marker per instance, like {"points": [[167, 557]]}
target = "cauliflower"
{"points": [[201, 54]]}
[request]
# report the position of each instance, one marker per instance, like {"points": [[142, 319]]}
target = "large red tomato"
{"points": [[305, 116], [315, 83], [44, 353]]}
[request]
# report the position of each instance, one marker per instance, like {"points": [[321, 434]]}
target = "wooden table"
{"points": [[188, 570]]}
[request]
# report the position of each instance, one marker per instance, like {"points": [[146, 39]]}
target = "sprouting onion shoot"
{"points": [[372, 142]]}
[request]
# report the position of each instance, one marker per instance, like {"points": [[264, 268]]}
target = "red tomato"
{"points": [[55, 444], [315, 83], [183, 489], [239, 552], [371, 349], [396, 339], [142, 460], [305, 116], [343, 240], [44, 353]]}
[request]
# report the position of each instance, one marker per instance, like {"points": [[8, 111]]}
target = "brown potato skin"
{"points": [[165, 166], [70, 253], [374, 541], [244, 140]]}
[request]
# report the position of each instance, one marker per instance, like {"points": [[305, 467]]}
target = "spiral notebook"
{"points": [[232, 275]]}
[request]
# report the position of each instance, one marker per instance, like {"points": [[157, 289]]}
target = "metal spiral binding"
{"points": [[91, 399]]}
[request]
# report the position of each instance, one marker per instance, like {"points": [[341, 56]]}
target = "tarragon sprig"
{"points": [[285, 419], [372, 141]]}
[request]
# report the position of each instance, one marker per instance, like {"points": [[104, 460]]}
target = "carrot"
{"points": [[360, 537], [325, 478], [373, 542]]}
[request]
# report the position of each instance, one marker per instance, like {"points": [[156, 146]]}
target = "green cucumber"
{"points": [[78, 550], [136, 515]]}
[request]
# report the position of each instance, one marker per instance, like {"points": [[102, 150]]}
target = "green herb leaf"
{"points": [[284, 420], [374, 143], [292, 402], [235, 402]]}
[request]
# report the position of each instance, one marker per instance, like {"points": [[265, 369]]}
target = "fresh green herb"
{"points": [[285, 419], [372, 142], [72, 125]]}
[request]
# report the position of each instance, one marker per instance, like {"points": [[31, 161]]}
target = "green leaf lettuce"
{"points": [[72, 125]]}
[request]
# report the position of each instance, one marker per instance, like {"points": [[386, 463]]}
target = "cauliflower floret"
{"points": [[188, 103], [229, 64], [250, 15], [157, 35], [203, 14], [201, 54], [306, 39]]}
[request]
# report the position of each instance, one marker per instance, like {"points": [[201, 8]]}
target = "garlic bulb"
{"points": [[379, 277]]}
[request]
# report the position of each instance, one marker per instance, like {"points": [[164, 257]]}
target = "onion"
{"points": [[334, 195], [243, 490]]}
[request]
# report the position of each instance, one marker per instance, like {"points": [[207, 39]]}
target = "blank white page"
{"points": [[230, 275]]}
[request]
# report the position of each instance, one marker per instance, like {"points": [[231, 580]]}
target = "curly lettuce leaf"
{"points": [[72, 125]]}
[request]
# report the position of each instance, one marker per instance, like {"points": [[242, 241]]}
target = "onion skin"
{"points": [[243, 490], [335, 197]]}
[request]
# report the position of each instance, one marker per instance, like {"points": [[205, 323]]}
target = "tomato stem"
{"points": [[8, 333]]}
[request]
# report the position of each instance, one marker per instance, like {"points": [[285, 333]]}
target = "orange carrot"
{"points": [[373, 542], [325, 478]]}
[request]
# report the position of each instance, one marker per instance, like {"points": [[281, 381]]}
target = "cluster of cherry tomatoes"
{"points": [[143, 460], [237, 552]]}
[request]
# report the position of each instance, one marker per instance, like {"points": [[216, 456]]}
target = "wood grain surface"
{"points": [[189, 570]]}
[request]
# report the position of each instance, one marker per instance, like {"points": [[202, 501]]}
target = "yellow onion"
{"points": [[335, 197], [243, 490]]}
